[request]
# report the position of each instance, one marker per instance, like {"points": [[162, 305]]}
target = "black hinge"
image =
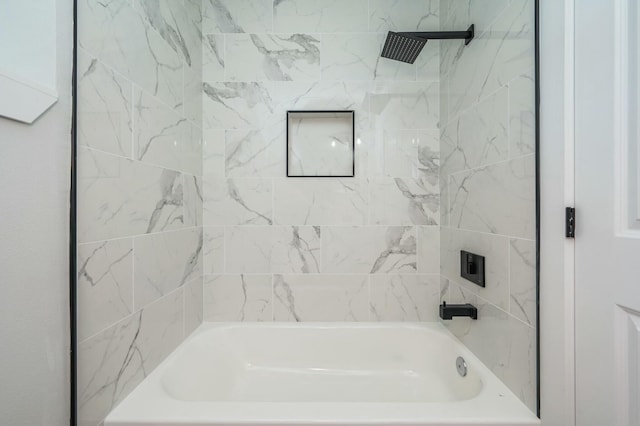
{"points": [[570, 221]]}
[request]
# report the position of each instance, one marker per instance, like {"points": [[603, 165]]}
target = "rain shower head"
{"points": [[405, 47], [402, 47]]}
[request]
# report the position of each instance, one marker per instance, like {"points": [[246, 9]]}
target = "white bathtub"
{"points": [[320, 373]]}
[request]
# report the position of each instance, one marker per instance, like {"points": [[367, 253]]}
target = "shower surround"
{"points": [[488, 182], [185, 212], [319, 249], [139, 192]]}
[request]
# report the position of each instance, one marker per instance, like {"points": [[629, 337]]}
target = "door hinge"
{"points": [[570, 222]]}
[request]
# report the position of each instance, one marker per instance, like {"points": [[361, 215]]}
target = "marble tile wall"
{"points": [[185, 211], [487, 182], [140, 268], [304, 249]]}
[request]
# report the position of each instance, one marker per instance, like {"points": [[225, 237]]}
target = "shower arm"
{"points": [[467, 36]]}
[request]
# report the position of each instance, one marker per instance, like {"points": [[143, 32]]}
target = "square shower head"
{"points": [[402, 47]]}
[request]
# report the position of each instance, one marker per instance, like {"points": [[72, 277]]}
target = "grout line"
{"points": [[224, 249], [162, 232], [487, 165], [135, 160], [509, 276], [184, 312], [273, 298], [133, 275], [131, 315], [508, 121], [131, 82], [273, 16], [489, 234], [476, 102]]}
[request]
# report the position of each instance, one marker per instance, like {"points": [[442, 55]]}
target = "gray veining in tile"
{"points": [[320, 298]]}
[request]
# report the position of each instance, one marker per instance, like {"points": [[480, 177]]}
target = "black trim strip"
{"points": [[538, 201], [73, 353]]}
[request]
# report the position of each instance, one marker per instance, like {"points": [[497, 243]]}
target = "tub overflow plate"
{"points": [[461, 366]]}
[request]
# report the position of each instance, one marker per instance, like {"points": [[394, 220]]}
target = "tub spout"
{"points": [[447, 312]]}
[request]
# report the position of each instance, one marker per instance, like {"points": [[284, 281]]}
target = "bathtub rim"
{"points": [[149, 404]]}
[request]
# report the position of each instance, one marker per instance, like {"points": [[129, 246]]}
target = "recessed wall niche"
{"points": [[320, 144]]}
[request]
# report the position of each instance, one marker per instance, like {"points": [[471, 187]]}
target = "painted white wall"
{"points": [[34, 233], [27, 58], [557, 191], [28, 49]]}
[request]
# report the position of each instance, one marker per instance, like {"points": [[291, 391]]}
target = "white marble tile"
{"points": [[276, 57], [238, 298], [397, 201], [165, 262], [428, 249], [213, 153], [405, 154], [163, 137], [193, 149], [397, 153], [193, 303], [320, 95], [296, 249], [254, 153], [406, 105], [429, 156], [235, 105], [444, 96], [324, 16], [157, 201], [105, 285], [248, 249], [444, 289], [356, 56], [522, 277], [445, 207], [404, 297], [503, 343], [320, 297], [171, 20], [193, 200], [499, 199], [452, 293], [369, 250], [118, 197], [191, 21], [320, 201], [500, 54], [404, 15], [233, 16], [478, 136], [428, 63], [123, 39], [237, 201], [458, 18], [104, 107], [494, 248], [112, 363], [213, 249], [522, 117], [463, 13], [213, 57], [193, 96]]}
